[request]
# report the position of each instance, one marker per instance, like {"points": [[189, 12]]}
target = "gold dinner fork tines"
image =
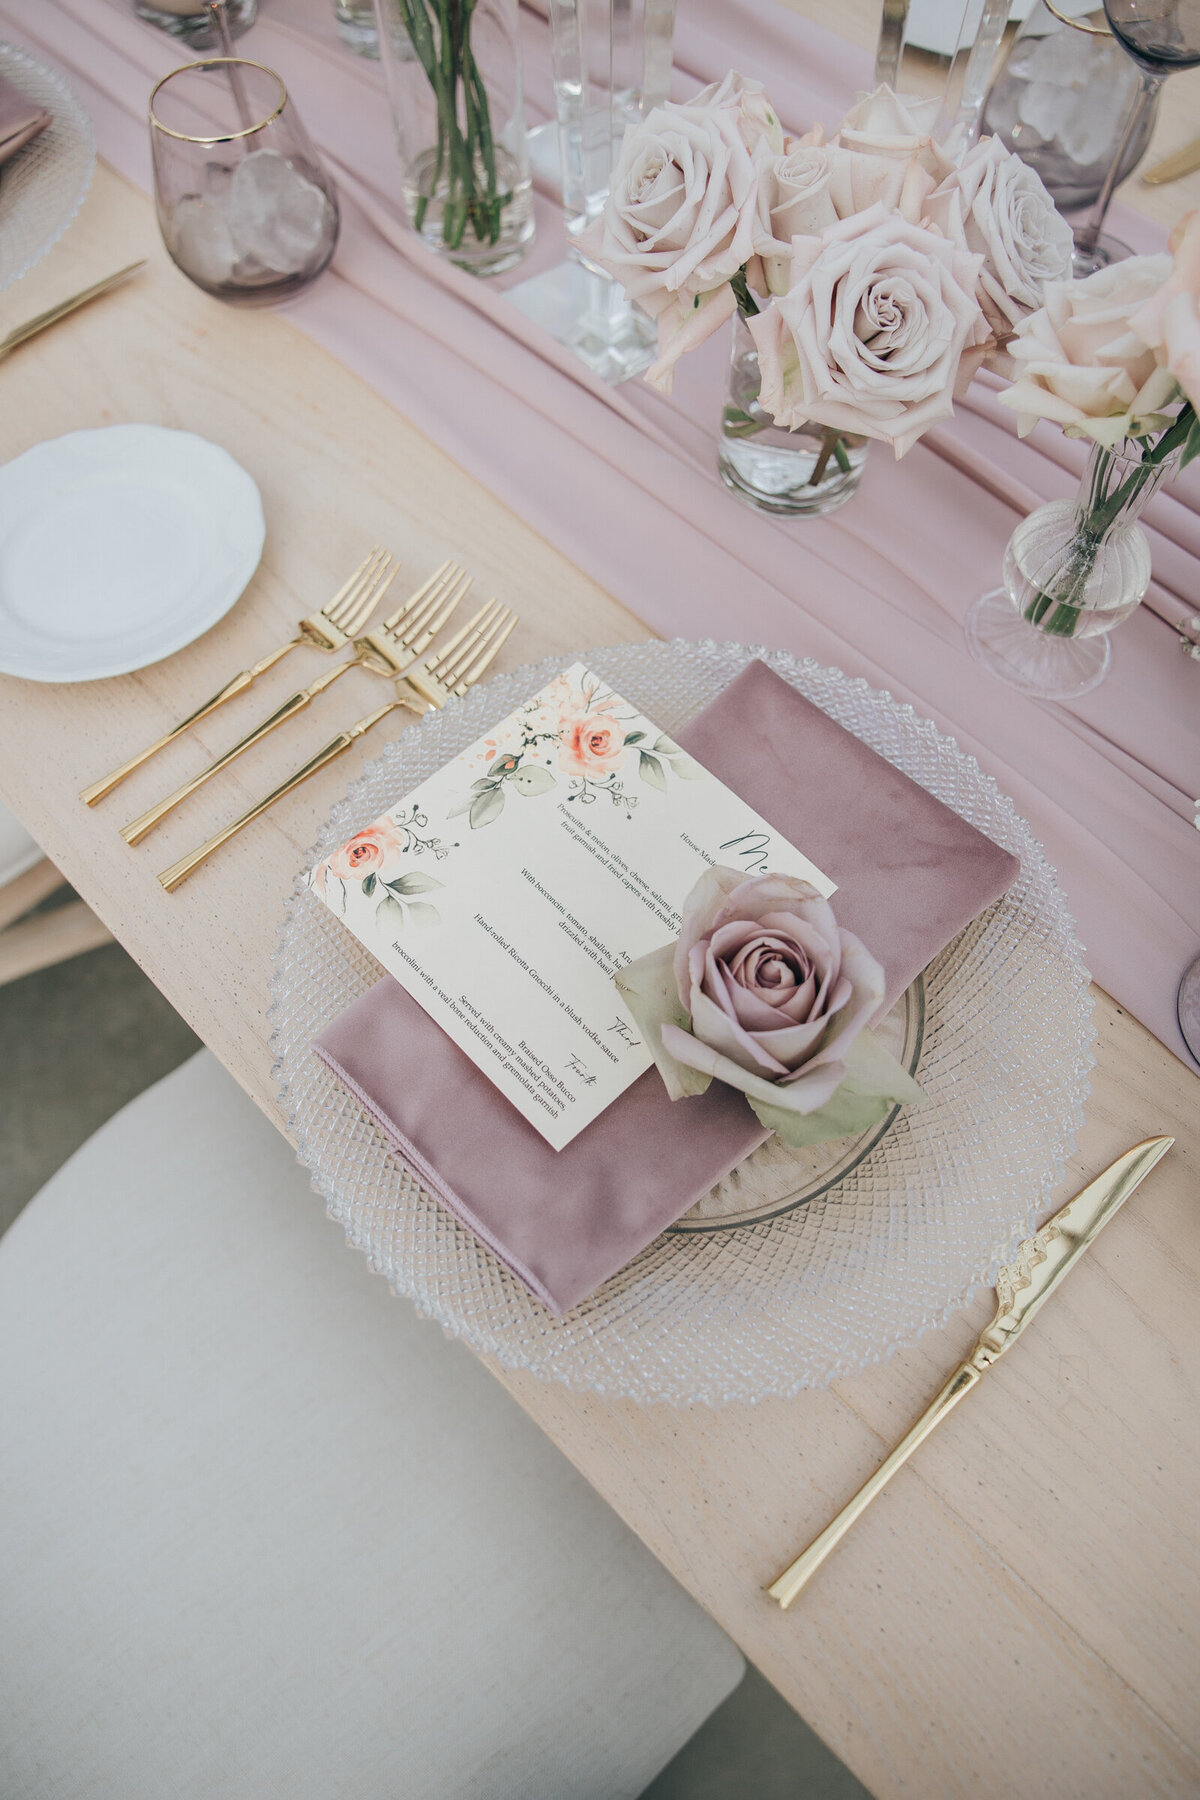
{"points": [[330, 630], [427, 686], [388, 650]]}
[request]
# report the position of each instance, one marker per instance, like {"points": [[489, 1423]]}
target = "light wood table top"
{"points": [[1018, 1611]]}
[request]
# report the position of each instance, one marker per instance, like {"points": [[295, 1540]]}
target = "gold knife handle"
{"points": [[136, 830], [53, 314], [239, 683], [786, 1586], [179, 871]]}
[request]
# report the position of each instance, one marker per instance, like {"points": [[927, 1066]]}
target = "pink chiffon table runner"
{"points": [[880, 589]]}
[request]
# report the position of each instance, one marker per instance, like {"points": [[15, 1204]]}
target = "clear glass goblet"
{"points": [[1162, 36], [245, 207]]}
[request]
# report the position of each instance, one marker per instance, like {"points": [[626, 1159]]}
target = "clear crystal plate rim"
{"points": [[617, 1343]]}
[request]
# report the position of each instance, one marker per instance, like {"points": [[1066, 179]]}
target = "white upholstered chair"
{"points": [[26, 878], [266, 1535]]}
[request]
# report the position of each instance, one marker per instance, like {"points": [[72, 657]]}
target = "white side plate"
{"points": [[118, 547]]}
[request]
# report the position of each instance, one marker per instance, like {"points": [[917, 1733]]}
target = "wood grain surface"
{"points": [[1019, 1610]]}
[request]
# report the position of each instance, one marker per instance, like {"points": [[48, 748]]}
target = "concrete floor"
{"points": [[88, 1036]]}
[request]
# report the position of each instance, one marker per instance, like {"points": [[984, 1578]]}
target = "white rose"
{"points": [[680, 217], [794, 201], [880, 324], [996, 205], [1079, 362], [884, 124]]}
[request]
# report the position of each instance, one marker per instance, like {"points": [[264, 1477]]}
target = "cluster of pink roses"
{"points": [[884, 274]]}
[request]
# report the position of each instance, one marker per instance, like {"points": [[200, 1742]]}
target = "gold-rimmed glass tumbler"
{"points": [[245, 207]]}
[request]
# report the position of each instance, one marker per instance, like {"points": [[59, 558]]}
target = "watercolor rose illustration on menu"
{"points": [[577, 729], [375, 860], [765, 992]]}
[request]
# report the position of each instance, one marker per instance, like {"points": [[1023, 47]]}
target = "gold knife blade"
{"points": [[1172, 167], [1022, 1289]]}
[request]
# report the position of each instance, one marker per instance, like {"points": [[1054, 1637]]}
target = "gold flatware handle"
{"points": [[106, 784], [1022, 1288], [179, 871], [1172, 168], [136, 830], [53, 314], [796, 1576]]}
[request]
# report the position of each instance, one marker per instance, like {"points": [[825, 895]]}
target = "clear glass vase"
{"points": [[612, 66], [1073, 571], [807, 471], [453, 70]]}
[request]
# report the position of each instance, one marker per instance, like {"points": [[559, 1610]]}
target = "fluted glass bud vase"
{"points": [[453, 71], [807, 471], [1073, 571]]}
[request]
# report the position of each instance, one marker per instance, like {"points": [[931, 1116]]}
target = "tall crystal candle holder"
{"points": [[612, 65]]}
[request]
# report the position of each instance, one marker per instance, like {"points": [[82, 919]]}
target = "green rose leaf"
{"points": [[681, 763], [504, 765], [368, 885], [416, 883], [533, 780], [389, 914], [648, 989], [845, 1115], [421, 913], [634, 737], [651, 771], [486, 807]]}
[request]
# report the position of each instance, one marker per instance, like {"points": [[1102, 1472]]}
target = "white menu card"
{"points": [[506, 891]]}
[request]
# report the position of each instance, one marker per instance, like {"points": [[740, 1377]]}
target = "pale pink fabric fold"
{"points": [[880, 589]]}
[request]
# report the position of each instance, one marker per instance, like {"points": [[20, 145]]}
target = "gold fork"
{"points": [[426, 687], [330, 629], [389, 650]]}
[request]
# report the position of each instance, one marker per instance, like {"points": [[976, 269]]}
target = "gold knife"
{"points": [[1181, 162], [53, 314], [1021, 1291]]}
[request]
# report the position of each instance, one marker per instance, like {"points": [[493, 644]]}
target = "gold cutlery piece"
{"points": [[53, 314], [424, 688], [1171, 168], [330, 629], [389, 650], [1021, 1291]]}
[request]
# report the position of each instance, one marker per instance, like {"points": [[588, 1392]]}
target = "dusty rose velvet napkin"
{"points": [[20, 119], [910, 874]]}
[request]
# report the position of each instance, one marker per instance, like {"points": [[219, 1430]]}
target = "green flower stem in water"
{"points": [[440, 34], [832, 443], [1058, 613]]}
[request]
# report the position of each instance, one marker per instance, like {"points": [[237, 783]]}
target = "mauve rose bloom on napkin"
{"points": [[996, 205], [766, 993], [1169, 322], [878, 331], [1080, 362], [20, 119]]}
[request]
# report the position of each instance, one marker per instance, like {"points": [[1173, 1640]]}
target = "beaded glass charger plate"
{"points": [[42, 186], [792, 1273]]}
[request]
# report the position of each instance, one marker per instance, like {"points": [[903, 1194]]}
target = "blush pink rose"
{"points": [[765, 992], [591, 744], [1169, 322], [367, 852], [877, 333]]}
